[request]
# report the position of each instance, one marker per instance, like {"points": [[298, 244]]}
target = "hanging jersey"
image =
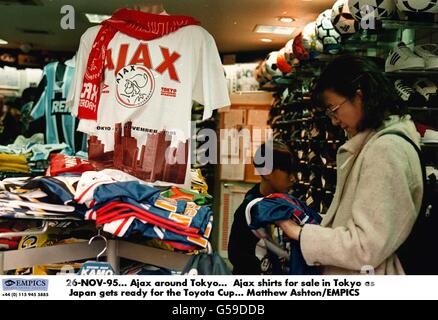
{"points": [[60, 124], [144, 113]]}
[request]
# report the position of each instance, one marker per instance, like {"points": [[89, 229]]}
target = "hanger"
{"points": [[156, 8], [102, 237]]}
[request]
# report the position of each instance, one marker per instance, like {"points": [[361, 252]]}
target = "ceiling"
{"points": [[231, 22]]}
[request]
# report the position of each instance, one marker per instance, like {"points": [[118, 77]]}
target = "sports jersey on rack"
{"points": [[60, 124], [144, 112]]}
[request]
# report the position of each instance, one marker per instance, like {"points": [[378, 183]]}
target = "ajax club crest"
{"points": [[135, 86]]}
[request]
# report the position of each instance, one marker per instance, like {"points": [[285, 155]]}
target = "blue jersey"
{"points": [[279, 206], [60, 124], [130, 207], [267, 210]]}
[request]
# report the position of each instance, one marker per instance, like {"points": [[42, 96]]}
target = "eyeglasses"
{"points": [[331, 112]]}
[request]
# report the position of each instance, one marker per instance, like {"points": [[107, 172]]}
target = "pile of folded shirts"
{"points": [[49, 198], [124, 205], [8, 243], [61, 164], [127, 207], [35, 152], [13, 163]]}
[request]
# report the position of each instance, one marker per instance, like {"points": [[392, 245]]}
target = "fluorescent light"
{"points": [[274, 30], [96, 18], [265, 40], [286, 19], [3, 41]]}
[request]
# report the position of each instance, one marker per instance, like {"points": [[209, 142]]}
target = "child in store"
{"points": [[276, 178]]}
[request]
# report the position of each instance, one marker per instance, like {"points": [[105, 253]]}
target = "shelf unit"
{"points": [[405, 24], [419, 73], [427, 109], [116, 249]]}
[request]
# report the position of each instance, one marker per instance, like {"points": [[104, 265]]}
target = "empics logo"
{"points": [[25, 284], [9, 283], [135, 86]]}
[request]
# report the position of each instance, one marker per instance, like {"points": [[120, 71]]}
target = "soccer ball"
{"points": [[271, 66], [310, 41], [289, 51], [260, 73], [342, 19], [379, 9], [325, 31], [430, 6], [298, 48], [283, 62]]}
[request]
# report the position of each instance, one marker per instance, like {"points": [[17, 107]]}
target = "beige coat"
{"points": [[378, 197]]}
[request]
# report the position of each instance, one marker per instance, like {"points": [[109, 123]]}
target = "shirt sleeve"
{"points": [[210, 86], [82, 54], [39, 109]]}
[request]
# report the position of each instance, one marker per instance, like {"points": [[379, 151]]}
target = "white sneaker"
{"points": [[426, 88], [430, 136], [402, 58], [408, 94], [429, 53]]}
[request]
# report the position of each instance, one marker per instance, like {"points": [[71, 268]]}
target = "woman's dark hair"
{"points": [[282, 158], [347, 74]]}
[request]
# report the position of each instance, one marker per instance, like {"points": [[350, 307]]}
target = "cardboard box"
{"points": [[234, 118], [258, 118], [231, 171]]}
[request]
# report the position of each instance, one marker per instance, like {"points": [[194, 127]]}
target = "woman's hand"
{"points": [[290, 228]]}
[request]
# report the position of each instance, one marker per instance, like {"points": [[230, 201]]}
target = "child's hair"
{"points": [[273, 156]]}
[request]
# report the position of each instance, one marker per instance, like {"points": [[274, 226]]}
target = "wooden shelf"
{"points": [[423, 109], [404, 24]]}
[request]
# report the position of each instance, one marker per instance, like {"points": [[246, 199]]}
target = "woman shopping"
{"points": [[379, 181]]}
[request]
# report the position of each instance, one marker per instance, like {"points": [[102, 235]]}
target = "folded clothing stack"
{"points": [[8, 243], [13, 163], [48, 198], [131, 207]]}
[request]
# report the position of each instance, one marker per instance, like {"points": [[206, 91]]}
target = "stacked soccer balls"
{"points": [[327, 32]]}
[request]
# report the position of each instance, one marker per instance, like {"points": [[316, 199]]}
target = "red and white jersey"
{"points": [[147, 94]]}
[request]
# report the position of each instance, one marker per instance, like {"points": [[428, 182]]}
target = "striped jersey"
{"points": [[60, 124], [130, 207]]}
